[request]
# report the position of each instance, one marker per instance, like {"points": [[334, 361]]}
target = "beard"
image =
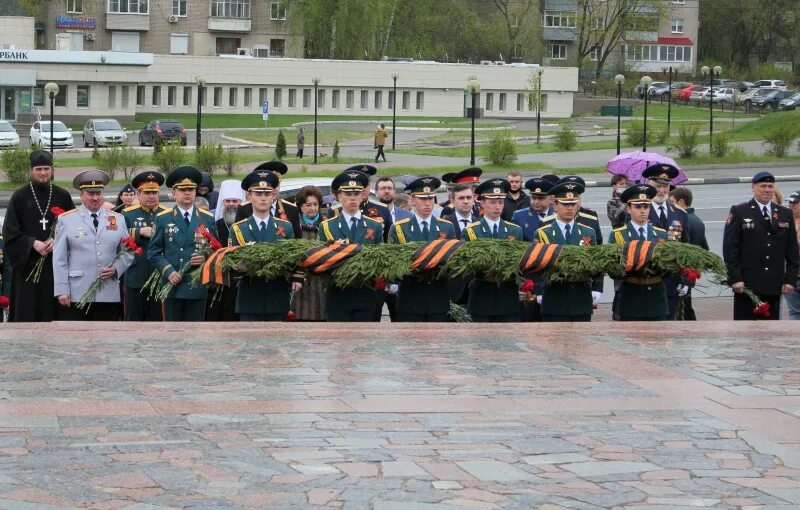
{"points": [[229, 215], [385, 200]]}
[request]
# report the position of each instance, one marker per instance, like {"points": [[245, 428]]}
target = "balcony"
{"points": [[641, 36], [229, 24], [128, 22]]}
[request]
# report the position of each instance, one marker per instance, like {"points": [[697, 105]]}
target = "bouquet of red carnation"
{"points": [[761, 309], [36, 272], [204, 244], [128, 244], [526, 291], [4, 302], [379, 284], [690, 276]]}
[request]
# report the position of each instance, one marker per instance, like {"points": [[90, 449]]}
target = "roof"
{"points": [[667, 41]]}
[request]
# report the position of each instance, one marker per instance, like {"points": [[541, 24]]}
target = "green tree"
{"points": [[280, 146]]}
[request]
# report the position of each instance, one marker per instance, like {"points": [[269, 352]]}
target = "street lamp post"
{"points": [[315, 81], [646, 81], [669, 102], [715, 72], [620, 79], [201, 83], [51, 89], [474, 89], [539, 106], [394, 108]]}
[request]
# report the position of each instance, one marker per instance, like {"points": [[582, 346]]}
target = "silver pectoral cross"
{"points": [[44, 223]]}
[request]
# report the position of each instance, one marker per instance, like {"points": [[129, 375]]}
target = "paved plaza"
{"points": [[393, 417]]}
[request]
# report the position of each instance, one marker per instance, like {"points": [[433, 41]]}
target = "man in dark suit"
{"points": [[681, 198], [281, 209], [469, 176], [760, 250], [462, 215]]}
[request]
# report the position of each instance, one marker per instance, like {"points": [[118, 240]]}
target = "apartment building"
{"points": [[172, 27]]}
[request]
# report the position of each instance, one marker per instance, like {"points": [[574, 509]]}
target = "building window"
{"points": [[594, 54], [128, 6], [502, 104], [156, 95], [61, 98], [277, 47], [543, 103], [112, 96], [292, 98], [306, 98], [558, 51], [420, 100], [390, 103], [233, 92], [217, 96], [228, 45], [262, 96], [320, 98], [277, 98], [378, 99], [520, 102], [489, 101], [187, 96], [277, 11], [349, 99], [679, 2], [38, 95], [230, 8], [598, 23], [125, 41], [179, 7], [406, 100], [364, 99], [248, 97], [75, 6], [335, 98], [179, 44], [125, 91], [560, 19], [687, 53], [139, 95], [677, 26], [172, 91]]}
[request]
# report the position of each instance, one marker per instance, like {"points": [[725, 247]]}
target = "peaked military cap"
{"points": [[273, 166], [423, 187], [538, 187], [661, 173], [148, 181], [638, 194], [551, 177], [573, 179], [91, 180], [350, 180], [763, 177], [493, 188], [184, 177], [471, 174], [366, 169], [261, 180], [567, 192]]}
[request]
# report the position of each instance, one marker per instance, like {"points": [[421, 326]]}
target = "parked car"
{"points": [[8, 135], [62, 136], [746, 98], [658, 88], [770, 84], [699, 93], [103, 132], [724, 95], [741, 86], [163, 130], [791, 102], [684, 94], [718, 82], [772, 100]]}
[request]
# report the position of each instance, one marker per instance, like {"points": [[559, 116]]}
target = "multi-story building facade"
{"points": [[172, 27]]}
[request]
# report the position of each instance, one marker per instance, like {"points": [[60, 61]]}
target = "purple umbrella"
{"points": [[632, 164]]}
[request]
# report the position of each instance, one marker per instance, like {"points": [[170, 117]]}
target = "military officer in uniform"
{"points": [[140, 220], [568, 301], [282, 209], [640, 297], [531, 218], [175, 243], [258, 299], [491, 301], [470, 176], [370, 208], [585, 215], [86, 246], [350, 304], [760, 250], [422, 301]]}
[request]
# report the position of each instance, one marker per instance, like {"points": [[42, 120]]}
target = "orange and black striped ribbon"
{"points": [[435, 254], [212, 269], [328, 257], [637, 254], [539, 256]]}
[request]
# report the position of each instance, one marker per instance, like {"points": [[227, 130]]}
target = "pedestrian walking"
{"points": [[381, 134], [301, 142]]}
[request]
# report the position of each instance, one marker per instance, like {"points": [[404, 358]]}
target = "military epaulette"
{"points": [[586, 226], [473, 224], [207, 213], [404, 220], [586, 215], [163, 207], [620, 229], [550, 217], [512, 224], [165, 211], [445, 221], [365, 218], [132, 208], [282, 220], [658, 229], [241, 221], [287, 202], [71, 211]]}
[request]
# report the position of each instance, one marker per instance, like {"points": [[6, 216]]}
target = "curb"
{"points": [[699, 181]]}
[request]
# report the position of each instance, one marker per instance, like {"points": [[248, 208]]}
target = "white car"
{"points": [[699, 94], [62, 136], [8, 135], [770, 84], [725, 95], [103, 132]]}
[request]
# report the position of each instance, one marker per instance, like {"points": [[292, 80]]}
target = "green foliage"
{"points": [[335, 154], [686, 141], [721, 144], [280, 146], [208, 157], [566, 139], [170, 157], [635, 134], [501, 149], [130, 161], [779, 139], [108, 160], [230, 161], [158, 145], [17, 164], [662, 136]]}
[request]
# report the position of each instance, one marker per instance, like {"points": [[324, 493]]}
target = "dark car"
{"points": [[162, 129], [791, 103], [771, 101]]}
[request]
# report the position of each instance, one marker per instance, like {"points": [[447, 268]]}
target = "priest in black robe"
{"points": [[27, 232]]}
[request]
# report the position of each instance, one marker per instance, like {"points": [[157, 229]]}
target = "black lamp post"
{"points": [[669, 102], [715, 72], [394, 107], [538, 106], [620, 79], [646, 81], [474, 89], [315, 81], [51, 89], [200, 86]]}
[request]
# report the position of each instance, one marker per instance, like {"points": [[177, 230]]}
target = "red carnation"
{"points": [[4, 302], [527, 286], [690, 275], [762, 310], [290, 316], [138, 251], [215, 245], [380, 284], [207, 235], [57, 211]]}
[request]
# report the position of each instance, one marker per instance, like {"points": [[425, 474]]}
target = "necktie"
{"points": [[464, 222], [641, 233], [353, 224], [94, 220], [425, 230], [662, 215], [765, 213], [494, 230], [566, 232], [186, 217], [263, 225]]}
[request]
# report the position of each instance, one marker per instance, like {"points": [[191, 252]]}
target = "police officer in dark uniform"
{"points": [[281, 209], [532, 218], [141, 219], [422, 301], [760, 250]]}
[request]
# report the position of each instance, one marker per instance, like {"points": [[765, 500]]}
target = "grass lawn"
{"points": [[244, 158], [708, 159], [325, 137], [526, 148], [657, 110]]}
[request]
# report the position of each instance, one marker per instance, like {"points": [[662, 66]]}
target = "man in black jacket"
{"points": [[760, 250]]}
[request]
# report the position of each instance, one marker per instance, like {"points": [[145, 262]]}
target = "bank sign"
{"points": [[12, 55], [80, 22]]}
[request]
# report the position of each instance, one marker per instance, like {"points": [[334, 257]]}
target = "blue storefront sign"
{"points": [[81, 22]]}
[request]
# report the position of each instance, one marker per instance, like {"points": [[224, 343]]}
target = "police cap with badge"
{"points": [[350, 180], [762, 177], [493, 188], [423, 187], [260, 180], [369, 170], [638, 194], [184, 177], [148, 181], [471, 175], [538, 187], [91, 180], [661, 173]]}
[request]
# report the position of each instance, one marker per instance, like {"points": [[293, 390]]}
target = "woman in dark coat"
{"points": [[308, 303]]}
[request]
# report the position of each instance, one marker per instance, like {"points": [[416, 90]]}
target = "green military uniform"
{"points": [[418, 300], [491, 301], [138, 306], [350, 304], [258, 299], [567, 301], [640, 297], [173, 244]]}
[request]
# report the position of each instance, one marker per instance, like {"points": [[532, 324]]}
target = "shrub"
{"points": [[208, 157], [566, 139], [130, 161], [230, 161], [17, 164], [634, 135], [336, 151], [721, 145], [170, 157], [158, 144], [108, 160], [685, 143], [780, 139], [280, 146], [501, 149], [662, 136]]}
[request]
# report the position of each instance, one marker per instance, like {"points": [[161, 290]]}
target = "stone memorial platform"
{"points": [[397, 417]]}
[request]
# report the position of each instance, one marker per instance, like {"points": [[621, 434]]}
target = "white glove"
{"points": [[539, 299], [393, 288], [597, 297], [683, 290]]}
